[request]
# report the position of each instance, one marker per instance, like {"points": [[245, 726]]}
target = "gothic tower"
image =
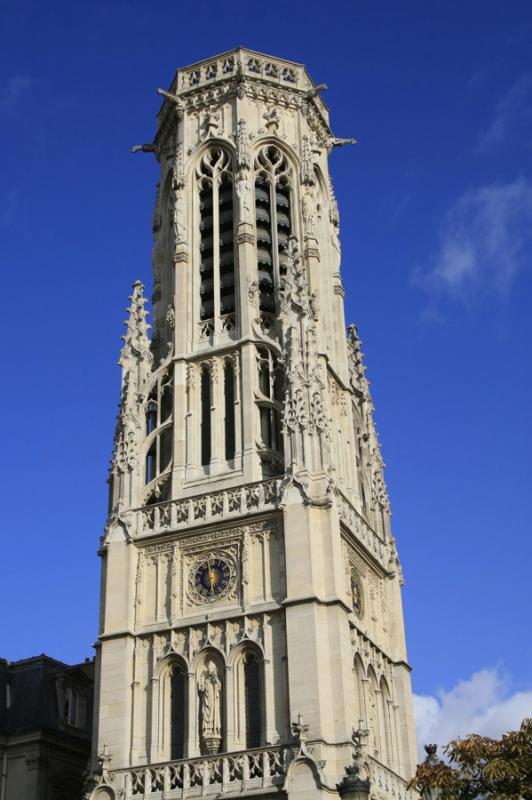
{"points": [[251, 635]]}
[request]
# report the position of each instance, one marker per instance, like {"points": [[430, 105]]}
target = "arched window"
{"points": [[270, 397], [159, 411], [217, 242], [248, 697], [387, 749], [169, 710], [229, 419], [178, 716], [360, 700], [205, 416], [373, 713], [273, 222], [253, 700], [151, 416]]}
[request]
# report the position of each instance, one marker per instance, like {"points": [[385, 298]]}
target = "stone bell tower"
{"points": [[251, 635]]}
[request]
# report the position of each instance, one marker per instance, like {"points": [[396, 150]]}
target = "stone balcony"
{"points": [[257, 772], [261, 772]]}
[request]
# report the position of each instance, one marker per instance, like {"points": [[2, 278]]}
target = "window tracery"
{"points": [[158, 424], [273, 217], [217, 285], [269, 398]]}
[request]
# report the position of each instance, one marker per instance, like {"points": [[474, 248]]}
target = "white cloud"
{"points": [[12, 90], [484, 242], [482, 704], [511, 112]]}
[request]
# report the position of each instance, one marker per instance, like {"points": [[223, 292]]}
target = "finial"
{"points": [[431, 759], [136, 339]]}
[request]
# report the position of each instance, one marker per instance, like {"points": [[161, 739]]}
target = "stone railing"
{"points": [[387, 784], [210, 775], [357, 524], [250, 63], [201, 509]]}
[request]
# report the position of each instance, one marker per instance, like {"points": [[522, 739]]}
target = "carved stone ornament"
{"points": [[244, 192], [170, 317], [211, 124], [242, 146], [272, 120], [180, 228], [309, 213], [307, 164]]}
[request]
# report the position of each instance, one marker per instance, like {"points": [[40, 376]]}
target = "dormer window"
{"points": [[71, 707]]}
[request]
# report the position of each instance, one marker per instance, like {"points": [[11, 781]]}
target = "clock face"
{"points": [[356, 593], [212, 578]]}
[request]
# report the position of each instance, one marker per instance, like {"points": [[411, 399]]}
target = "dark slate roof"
{"points": [[33, 693]]}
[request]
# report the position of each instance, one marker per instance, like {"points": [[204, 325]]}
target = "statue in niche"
{"points": [[210, 691], [309, 213], [243, 190], [180, 228]]}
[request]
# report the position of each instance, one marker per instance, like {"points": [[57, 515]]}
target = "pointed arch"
{"points": [[373, 713], [216, 234], [386, 716], [248, 696], [169, 708], [275, 219], [360, 694]]}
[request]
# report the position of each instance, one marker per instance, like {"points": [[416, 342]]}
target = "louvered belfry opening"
{"points": [[264, 246], [227, 246], [273, 223], [217, 241], [206, 249]]}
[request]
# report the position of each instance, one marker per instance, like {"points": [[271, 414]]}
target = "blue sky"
{"points": [[436, 228]]}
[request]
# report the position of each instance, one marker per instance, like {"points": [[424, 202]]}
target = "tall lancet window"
{"points": [[273, 222], [217, 243], [177, 723], [269, 399]]}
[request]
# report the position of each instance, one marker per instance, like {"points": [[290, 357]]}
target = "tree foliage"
{"points": [[479, 767]]}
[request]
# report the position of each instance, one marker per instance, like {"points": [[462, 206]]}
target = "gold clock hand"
{"points": [[212, 576]]}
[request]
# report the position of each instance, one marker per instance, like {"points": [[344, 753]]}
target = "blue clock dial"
{"points": [[212, 578]]}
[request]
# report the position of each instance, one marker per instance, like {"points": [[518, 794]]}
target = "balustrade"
{"points": [[227, 503], [263, 768]]}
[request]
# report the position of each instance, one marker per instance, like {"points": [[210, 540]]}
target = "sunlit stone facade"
{"points": [[251, 635]]}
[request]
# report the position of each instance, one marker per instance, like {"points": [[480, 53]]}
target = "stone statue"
{"points": [[243, 191], [180, 228], [309, 214], [210, 690]]}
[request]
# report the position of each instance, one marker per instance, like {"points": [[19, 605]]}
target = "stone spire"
{"points": [[136, 362], [380, 502], [135, 354]]}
